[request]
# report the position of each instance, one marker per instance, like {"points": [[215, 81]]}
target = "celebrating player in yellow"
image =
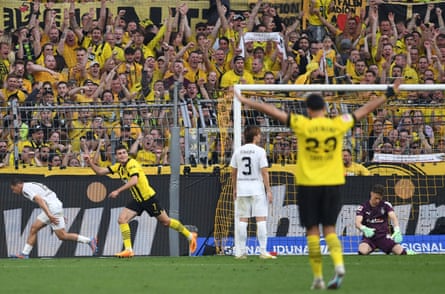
{"points": [[320, 172], [144, 199]]}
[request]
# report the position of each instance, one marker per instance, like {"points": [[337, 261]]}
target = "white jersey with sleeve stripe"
{"points": [[249, 159], [32, 189]]}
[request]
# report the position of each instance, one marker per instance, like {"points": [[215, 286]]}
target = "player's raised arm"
{"points": [[97, 169], [266, 108], [373, 104]]}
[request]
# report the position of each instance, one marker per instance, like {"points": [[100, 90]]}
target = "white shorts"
{"points": [[250, 206], [45, 219]]}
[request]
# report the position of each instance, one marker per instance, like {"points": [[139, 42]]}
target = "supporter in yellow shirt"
{"points": [[194, 71], [67, 47], [5, 50], [11, 90], [78, 72], [258, 71], [131, 69], [78, 128], [353, 168], [327, 59], [99, 50], [237, 75], [318, 8]]}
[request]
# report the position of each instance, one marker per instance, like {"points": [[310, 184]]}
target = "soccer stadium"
{"points": [[82, 79]]}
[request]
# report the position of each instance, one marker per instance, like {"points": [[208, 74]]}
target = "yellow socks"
{"points": [[313, 243], [126, 235], [177, 226], [335, 249]]}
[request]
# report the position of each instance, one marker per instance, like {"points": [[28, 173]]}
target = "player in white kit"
{"points": [[52, 214], [251, 191]]}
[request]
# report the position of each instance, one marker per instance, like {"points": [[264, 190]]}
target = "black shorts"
{"points": [[151, 206], [318, 205]]}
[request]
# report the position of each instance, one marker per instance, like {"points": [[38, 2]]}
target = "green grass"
{"points": [[218, 274]]}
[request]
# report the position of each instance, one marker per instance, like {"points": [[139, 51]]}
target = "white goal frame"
{"points": [[237, 107], [237, 133]]}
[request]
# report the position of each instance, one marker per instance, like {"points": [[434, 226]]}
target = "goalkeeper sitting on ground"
{"points": [[372, 219]]}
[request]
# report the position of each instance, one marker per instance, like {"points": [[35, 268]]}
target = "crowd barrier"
{"points": [[90, 212], [418, 200]]}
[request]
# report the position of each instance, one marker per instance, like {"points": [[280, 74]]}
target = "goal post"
{"points": [[284, 224]]}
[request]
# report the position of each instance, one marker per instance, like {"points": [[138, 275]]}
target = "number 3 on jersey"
{"points": [[247, 170]]}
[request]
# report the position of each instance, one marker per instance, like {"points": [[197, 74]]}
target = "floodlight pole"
{"points": [[175, 163]]}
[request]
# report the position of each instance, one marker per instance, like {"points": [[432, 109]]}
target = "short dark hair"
{"points": [[238, 57], [378, 189], [347, 150], [200, 25], [223, 38], [120, 147], [129, 50], [15, 181], [315, 102]]}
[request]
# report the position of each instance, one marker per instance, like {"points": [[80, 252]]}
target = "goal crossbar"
{"points": [[337, 87], [315, 88]]}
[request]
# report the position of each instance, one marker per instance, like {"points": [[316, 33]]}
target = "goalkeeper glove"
{"points": [[397, 236], [368, 232]]}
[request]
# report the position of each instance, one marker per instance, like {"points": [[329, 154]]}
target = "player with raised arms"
{"points": [[320, 172]]}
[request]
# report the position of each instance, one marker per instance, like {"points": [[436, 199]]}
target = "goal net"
{"points": [[414, 180]]}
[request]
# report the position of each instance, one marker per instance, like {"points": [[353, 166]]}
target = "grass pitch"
{"points": [[218, 274]]}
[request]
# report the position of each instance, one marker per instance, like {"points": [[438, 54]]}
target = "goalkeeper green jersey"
{"points": [[320, 144]]}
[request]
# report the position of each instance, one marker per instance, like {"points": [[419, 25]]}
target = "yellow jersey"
{"points": [[320, 144], [231, 78], [323, 7], [142, 190], [356, 169], [101, 52], [326, 60], [146, 157]]}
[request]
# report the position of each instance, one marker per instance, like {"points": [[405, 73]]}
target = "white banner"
{"points": [[265, 37], [433, 157]]}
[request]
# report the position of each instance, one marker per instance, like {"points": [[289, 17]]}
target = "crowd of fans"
{"points": [[85, 86]]}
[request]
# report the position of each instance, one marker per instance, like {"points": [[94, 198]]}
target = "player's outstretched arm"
{"points": [[97, 169], [371, 105], [130, 183], [266, 108]]}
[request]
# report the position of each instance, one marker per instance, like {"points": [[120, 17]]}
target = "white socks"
{"points": [[83, 239], [27, 249], [262, 235], [240, 241]]}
